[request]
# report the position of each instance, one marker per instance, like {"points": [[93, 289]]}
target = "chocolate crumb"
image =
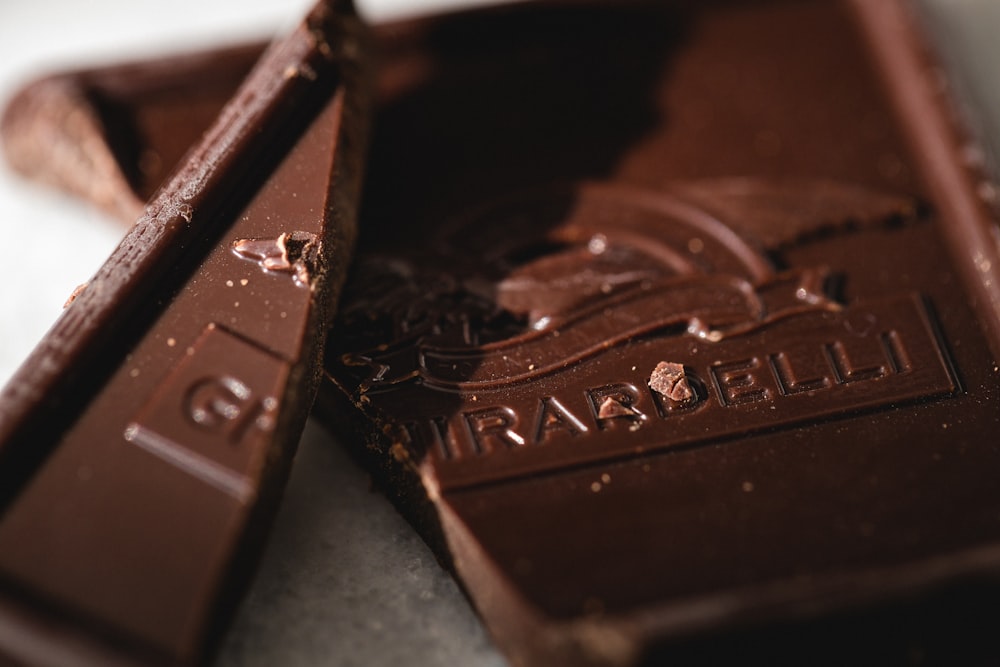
{"points": [[76, 292], [611, 408], [669, 380]]}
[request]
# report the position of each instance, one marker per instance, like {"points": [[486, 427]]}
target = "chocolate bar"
{"points": [[144, 443], [674, 332], [673, 329]]}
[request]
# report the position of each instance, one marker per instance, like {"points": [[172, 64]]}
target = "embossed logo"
{"points": [[553, 330], [206, 421]]}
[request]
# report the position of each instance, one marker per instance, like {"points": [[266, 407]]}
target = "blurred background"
{"points": [[344, 581]]}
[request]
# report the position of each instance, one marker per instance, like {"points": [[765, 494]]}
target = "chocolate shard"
{"points": [[144, 443], [669, 380], [767, 196]]}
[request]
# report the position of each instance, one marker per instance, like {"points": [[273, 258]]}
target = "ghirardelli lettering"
{"points": [[574, 340]]}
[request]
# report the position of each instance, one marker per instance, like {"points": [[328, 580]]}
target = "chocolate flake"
{"points": [[76, 292], [611, 408], [669, 380]]}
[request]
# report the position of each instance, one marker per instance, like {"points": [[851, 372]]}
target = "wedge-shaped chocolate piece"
{"points": [[144, 443], [674, 332]]}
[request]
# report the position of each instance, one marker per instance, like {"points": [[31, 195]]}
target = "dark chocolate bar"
{"points": [[674, 330], [144, 443]]}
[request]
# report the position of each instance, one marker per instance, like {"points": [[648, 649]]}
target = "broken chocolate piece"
{"points": [[144, 443], [112, 135], [746, 200]]}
